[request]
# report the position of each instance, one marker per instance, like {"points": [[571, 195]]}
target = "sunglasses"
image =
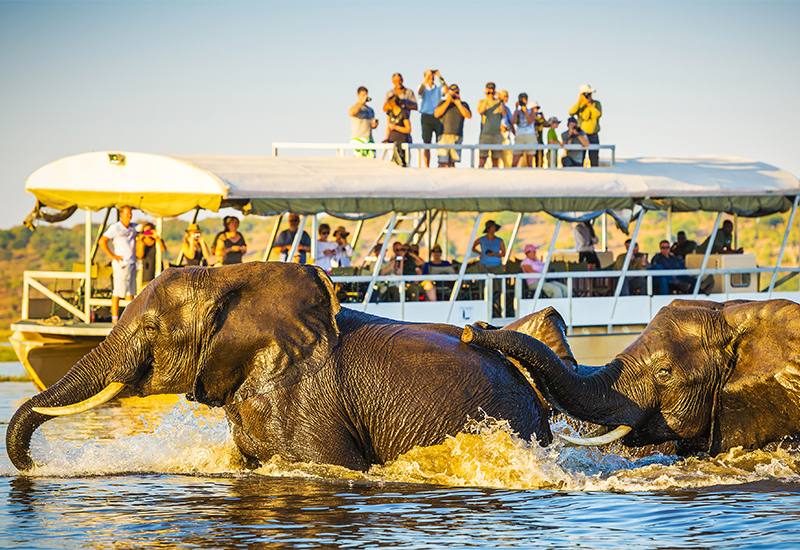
{"points": [[294, 220], [664, 246], [324, 232]]}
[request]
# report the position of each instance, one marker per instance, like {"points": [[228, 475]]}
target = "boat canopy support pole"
{"points": [[89, 259], [621, 280], [709, 248], [357, 233], [463, 269], [546, 266], [159, 264], [783, 246], [669, 224], [604, 226], [100, 232], [512, 239], [376, 270], [272, 236]]}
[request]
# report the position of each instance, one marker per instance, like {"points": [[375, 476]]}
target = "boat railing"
{"points": [[341, 148]]}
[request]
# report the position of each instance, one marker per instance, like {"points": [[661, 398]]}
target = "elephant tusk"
{"points": [[610, 437], [108, 393]]}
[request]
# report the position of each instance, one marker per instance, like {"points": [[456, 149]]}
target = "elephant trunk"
{"points": [[591, 398], [88, 378]]}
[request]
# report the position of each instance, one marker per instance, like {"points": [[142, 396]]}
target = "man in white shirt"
{"points": [[123, 258]]}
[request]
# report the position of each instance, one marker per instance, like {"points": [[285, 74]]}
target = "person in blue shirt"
{"points": [[430, 95], [678, 284], [491, 248]]}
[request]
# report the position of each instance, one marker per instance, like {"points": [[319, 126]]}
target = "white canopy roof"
{"points": [[168, 185]]}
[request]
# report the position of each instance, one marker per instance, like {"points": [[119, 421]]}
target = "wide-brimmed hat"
{"points": [[341, 230], [193, 228], [530, 248], [586, 89], [489, 224]]}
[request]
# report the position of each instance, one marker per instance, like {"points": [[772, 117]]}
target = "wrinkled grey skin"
{"points": [[709, 376], [295, 375]]}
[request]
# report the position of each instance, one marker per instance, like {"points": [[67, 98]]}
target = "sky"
{"points": [[674, 78]]}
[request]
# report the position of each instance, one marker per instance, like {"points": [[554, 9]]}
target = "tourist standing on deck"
{"points": [[123, 259], [362, 122], [491, 248], [283, 244], [231, 246], [452, 112], [399, 128], [523, 119], [326, 250], [194, 248], [492, 110], [573, 136], [146, 251], [552, 139], [506, 130], [406, 96], [344, 250], [430, 94], [585, 239], [588, 113]]}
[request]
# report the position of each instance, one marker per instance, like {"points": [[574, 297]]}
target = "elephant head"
{"points": [[708, 376], [200, 332]]}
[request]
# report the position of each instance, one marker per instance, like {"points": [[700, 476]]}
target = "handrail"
{"points": [[340, 148]]}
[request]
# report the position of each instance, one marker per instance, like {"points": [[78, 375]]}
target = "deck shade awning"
{"points": [[168, 185]]}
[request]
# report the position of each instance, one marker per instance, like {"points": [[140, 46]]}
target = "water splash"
{"points": [[177, 436]]}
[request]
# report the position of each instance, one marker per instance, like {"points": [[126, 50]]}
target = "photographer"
{"points": [[588, 112], [524, 119], [452, 112], [362, 122], [146, 251], [194, 248], [492, 111], [399, 128], [573, 136], [430, 95]]}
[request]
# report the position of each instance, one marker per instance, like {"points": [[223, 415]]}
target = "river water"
{"points": [[163, 472]]}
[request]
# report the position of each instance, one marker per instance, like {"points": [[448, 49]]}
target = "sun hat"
{"points": [[341, 230], [489, 224], [552, 120], [586, 89], [193, 228], [530, 248]]}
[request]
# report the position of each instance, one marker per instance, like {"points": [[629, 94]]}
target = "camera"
{"points": [[196, 236], [147, 233], [398, 259], [369, 98]]}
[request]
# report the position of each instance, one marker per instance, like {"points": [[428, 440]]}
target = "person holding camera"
{"points": [[362, 122], [492, 111], [194, 248], [524, 119], [574, 136], [344, 250], [231, 246], [588, 112], [399, 128], [430, 95], [146, 251], [452, 112]]}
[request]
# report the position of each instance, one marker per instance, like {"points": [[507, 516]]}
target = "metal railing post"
{"points": [[546, 267], [463, 269], [621, 280], [783, 246], [709, 248]]}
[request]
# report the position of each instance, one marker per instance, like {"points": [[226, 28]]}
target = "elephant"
{"points": [[296, 374], [708, 376]]}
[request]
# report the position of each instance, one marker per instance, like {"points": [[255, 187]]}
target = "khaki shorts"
{"points": [[491, 138], [124, 280], [446, 156], [526, 139]]}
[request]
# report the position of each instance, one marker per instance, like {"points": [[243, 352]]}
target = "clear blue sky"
{"points": [[674, 78]]}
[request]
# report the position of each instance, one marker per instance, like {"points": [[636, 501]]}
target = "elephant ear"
{"points": [[275, 324], [760, 400], [548, 327]]}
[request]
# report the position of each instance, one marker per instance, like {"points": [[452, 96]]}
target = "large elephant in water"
{"points": [[706, 375], [296, 375]]}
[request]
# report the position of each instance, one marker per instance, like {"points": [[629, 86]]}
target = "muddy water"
{"points": [[164, 472]]}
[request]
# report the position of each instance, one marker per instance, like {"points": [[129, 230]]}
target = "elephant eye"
{"points": [[664, 373]]}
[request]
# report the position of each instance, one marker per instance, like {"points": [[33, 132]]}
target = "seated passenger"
{"points": [[632, 285], [326, 249], [194, 248], [722, 242], [682, 246], [531, 264], [435, 266], [676, 284], [573, 136]]}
